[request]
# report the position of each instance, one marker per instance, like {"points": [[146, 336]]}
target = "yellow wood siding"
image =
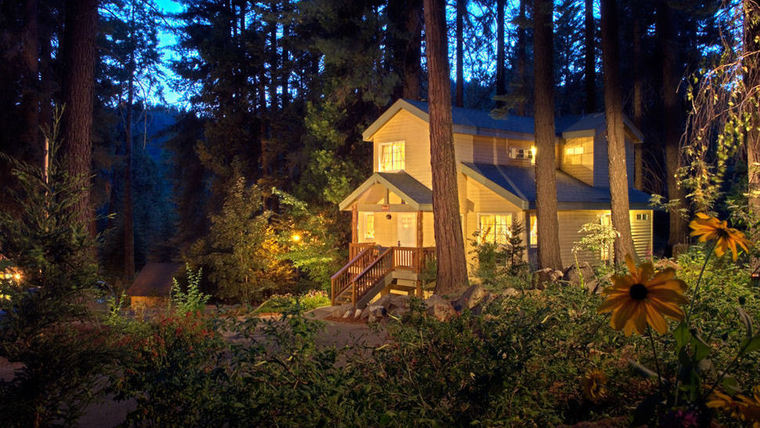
{"points": [[413, 131], [641, 229], [428, 234]]}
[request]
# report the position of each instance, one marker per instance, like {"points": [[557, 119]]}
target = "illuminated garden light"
{"points": [[295, 237]]}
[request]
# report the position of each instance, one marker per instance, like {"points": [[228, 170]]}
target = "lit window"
{"points": [[642, 217], [522, 153], [392, 156], [369, 226], [494, 228], [533, 231]]}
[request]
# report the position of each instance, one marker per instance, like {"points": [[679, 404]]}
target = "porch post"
{"points": [[418, 254], [354, 224]]}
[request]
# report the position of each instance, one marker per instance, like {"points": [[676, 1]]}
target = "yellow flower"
{"points": [[726, 238], [741, 407], [644, 298], [594, 385]]}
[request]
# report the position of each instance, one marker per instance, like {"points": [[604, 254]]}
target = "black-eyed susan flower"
{"points": [[644, 298], [740, 407], [709, 228], [594, 385]]}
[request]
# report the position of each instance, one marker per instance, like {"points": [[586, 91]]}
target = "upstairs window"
{"points": [[523, 153], [392, 157], [494, 228]]}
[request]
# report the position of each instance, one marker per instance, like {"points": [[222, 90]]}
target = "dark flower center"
{"points": [[638, 292]]}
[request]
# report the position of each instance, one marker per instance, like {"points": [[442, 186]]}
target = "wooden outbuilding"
{"points": [[153, 284]]}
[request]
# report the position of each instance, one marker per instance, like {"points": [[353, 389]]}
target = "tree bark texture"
{"points": [[31, 95], [461, 10], [127, 215], [638, 99], [590, 57], [80, 29], [752, 92], [613, 110], [671, 118], [413, 50], [546, 175], [452, 266]]}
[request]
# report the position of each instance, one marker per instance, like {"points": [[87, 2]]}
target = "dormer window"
{"points": [[523, 153], [392, 157]]}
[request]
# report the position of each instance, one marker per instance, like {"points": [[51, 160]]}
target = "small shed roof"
{"points": [[154, 280], [414, 193], [518, 184]]}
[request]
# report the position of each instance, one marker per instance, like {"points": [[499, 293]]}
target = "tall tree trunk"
{"points": [[78, 86], [500, 52], [461, 10], [752, 83], [546, 175], [284, 66], [273, 58], [449, 243], [522, 42], [671, 119], [590, 57], [638, 99], [413, 50], [613, 110], [31, 90], [127, 214]]}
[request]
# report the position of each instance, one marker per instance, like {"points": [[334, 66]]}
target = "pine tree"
{"points": [[452, 267]]}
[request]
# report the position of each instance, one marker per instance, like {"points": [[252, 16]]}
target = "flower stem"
{"points": [[656, 362], [699, 282]]}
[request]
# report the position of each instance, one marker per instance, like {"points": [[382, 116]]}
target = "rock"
{"points": [[593, 287], [398, 312], [439, 308], [340, 310], [383, 301], [347, 314], [546, 275], [357, 314], [376, 311], [397, 301], [371, 319], [576, 274], [510, 292], [470, 298]]}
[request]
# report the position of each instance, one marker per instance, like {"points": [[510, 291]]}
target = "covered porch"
{"points": [[392, 238]]}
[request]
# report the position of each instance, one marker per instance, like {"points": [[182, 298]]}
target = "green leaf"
{"points": [[731, 385], [682, 335], [751, 344], [701, 349]]}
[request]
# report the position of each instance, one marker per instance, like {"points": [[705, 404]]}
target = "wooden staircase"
{"points": [[370, 271]]}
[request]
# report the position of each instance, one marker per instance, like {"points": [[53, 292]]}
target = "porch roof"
{"points": [[518, 185], [411, 191]]}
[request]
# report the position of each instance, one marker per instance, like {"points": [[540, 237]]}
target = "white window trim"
{"points": [[380, 155], [505, 213]]}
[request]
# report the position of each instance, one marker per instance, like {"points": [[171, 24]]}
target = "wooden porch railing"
{"points": [[369, 263], [371, 274], [342, 279]]}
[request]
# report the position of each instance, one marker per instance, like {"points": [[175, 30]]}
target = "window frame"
{"points": [[365, 233], [510, 216], [394, 162]]}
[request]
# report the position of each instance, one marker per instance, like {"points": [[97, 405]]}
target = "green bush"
{"points": [[280, 303]]}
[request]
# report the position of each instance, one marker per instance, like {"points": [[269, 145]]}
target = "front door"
{"points": [[407, 230]]}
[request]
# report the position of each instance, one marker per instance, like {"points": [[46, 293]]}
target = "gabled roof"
{"points": [[518, 185], [411, 191], [154, 280], [480, 122]]}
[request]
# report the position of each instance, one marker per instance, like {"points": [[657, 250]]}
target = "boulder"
{"points": [[510, 292], [470, 298], [398, 312], [371, 319], [383, 301], [577, 273], [397, 301], [338, 311], [593, 286], [439, 308], [357, 314], [546, 275]]}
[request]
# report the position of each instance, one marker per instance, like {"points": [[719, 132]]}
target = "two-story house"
{"points": [[392, 220]]}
